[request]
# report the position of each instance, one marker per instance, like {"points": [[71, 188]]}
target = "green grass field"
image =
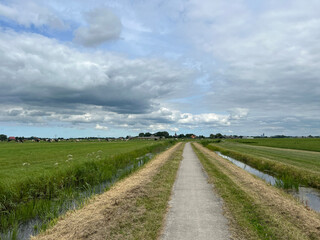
{"points": [[291, 165], [302, 159], [308, 144], [18, 161], [36, 179]]}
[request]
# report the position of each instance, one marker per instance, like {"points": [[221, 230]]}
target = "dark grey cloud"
{"points": [[102, 25], [43, 81], [40, 72]]}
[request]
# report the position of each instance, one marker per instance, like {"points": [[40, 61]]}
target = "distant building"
{"points": [[152, 137], [247, 137], [11, 139]]}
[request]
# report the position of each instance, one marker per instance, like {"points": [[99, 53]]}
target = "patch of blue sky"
{"points": [[65, 132], [64, 36]]}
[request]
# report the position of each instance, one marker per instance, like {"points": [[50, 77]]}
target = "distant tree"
{"points": [[3, 137], [212, 135], [162, 134], [218, 135], [141, 134], [201, 136], [147, 134], [181, 136], [279, 136], [189, 135]]}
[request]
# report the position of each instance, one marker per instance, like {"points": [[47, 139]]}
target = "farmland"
{"points": [[302, 166], [308, 144], [19, 161], [37, 178]]}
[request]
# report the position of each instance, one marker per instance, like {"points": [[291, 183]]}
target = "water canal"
{"points": [[310, 197]]}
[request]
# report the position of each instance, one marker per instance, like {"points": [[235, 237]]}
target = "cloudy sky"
{"points": [[115, 68]]}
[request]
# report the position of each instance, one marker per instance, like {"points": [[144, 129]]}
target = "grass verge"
{"points": [[250, 223], [140, 215], [251, 217]]}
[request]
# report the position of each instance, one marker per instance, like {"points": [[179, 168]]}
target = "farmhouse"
{"points": [[11, 139]]}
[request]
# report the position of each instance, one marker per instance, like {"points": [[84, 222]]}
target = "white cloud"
{"points": [[99, 127], [28, 13], [103, 25]]}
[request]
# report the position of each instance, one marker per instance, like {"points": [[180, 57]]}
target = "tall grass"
{"points": [[38, 196]]}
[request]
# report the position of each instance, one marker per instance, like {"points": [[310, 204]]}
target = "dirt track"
{"points": [[91, 222]]}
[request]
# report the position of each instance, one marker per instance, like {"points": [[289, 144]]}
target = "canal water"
{"points": [[308, 196], [32, 226]]}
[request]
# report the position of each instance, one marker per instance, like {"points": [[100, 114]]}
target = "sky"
{"points": [[81, 68]]}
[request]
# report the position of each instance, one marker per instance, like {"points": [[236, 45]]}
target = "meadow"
{"points": [[37, 178], [308, 144], [19, 161], [291, 165]]}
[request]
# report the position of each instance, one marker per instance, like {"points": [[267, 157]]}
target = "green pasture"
{"points": [[302, 159], [290, 165], [36, 179], [309, 144], [25, 160]]}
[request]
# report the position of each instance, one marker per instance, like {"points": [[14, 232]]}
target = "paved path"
{"points": [[195, 211]]}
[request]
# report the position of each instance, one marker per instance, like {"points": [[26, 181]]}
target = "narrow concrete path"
{"points": [[195, 211]]}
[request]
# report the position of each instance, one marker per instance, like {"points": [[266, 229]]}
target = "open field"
{"points": [[256, 209], [308, 144], [134, 208], [59, 172], [302, 166], [29, 159]]}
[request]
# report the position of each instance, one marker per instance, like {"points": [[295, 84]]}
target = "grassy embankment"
{"points": [[255, 209], [143, 213], [36, 179], [293, 167]]}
